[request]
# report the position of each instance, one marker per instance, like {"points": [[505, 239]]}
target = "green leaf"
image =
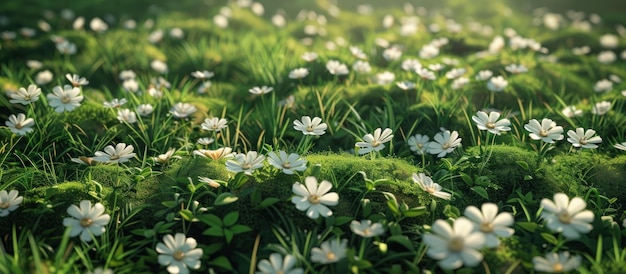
{"points": [[231, 218], [367, 207], [415, 211], [523, 165], [267, 202], [402, 240], [186, 214], [211, 220], [549, 238], [169, 203], [238, 229], [528, 177], [528, 226], [213, 248], [342, 220], [466, 178], [225, 198], [222, 262], [480, 191], [214, 231], [229, 235]]}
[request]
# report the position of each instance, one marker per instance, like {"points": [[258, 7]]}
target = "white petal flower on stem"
{"points": [[497, 84], [419, 143], [76, 80], [205, 141], [43, 77], [126, 115], [314, 198], [310, 127], [309, 56], [179, 253], [214, 124], [145, 109], [444, 142], [183, 110], [279, 264], [288, 164], [261, 90], [19, 124], [366, 229], [491, 123], [582, 138], [567, 216], [26, 96], [571, 112], [556, 262], [484, 75], [246, 163], [205, 74], [336, 68], [621, 146], [115, 103], [298, 73], [330, 251], [406, 85], [220, 153], [127, 74], [490, 223], [375, 142], [361, 66], [159, 66], [411, 65], [9, 201], [603, 85], [86, 220], [516, 68], [385, 78], [546, 131], [64, 99], [455, 73], [432, 188], [455, 245], [163, 158], [601, 108], [426, 74], [119, 154]]}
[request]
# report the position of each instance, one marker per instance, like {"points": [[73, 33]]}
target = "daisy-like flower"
{"points": [[336, 68], [100, 270], [126, 115], [330, 251], [183, 110], [621, 146], [497, 84], [426, 74], [86, 220], [43, 77], [375, 142], [9, 201], [289, 164], [130, 85], [214, 124], [361, 66], [204, 87], [84, 160], [490, 122], [484, 75], [490, 223], [556, 262], [115, 103], [459, 82], [603, 85], [455, 73], [261, 90], [392, 53], [418, 143], [19, 124], [127, 74], [310, 127], [385, 78], [406, 85], [309, 56], [298, 73], [26, 96], [436, 67], [455, 245], [205, 141], [76, 80], [411, 65], [205, 74], [179, 253], [66, 47], [427, 184], [278, 264], [571, 112], [246, 163], [606, 57], [601, 108], [357, 52], [429, 51], [64, 99], [445, 142], [159, 66], [366, 229], [314, 198], [119, 154], [516, 68], [220, 153], [582, 138], [163, 158], [210, 182], [567, 216], [546, 131], [145, 109]]}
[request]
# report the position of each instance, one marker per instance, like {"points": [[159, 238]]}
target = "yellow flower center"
{"points": [[445, 145], [4, 205], [114, 157], [557, 268], [314, 199], [85, 222], [456, 244], [486, 227], [490, 125], [583, 141], [430, 190], [309, 128], [286, 165], [543, 133], [376, 143], [330, 256], [420, 146], [565, 217], [367, 232], [18, 126], [65, 99], [246, 166], [178, 255]]}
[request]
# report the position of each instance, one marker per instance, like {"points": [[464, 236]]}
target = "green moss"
{"points": [[608, 176], [90, 118]]}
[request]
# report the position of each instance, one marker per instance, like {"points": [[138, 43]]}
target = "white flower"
{"points": [[43, 77], [621, 146], [19, 124], [490, 122], [556, 262], [309, 56], [406, 85], [34, 64], [163, 158], [119, 154], [568, 217], [582, 138], [277, 264], [411, 64], [177, 33], [357, 52], [330, 251], [314, 198], [83, 160], [156, 36], [547, 131], [64, 99], [96, 24], [455, 73], [375, 142], [361, 66], [392, 54], [459, 82], [427, 184], [609, 41], [182, 110], [126, 115], [385, 78], [419, 143], [484, 75], [26, 96], [429, 51], [456, 245], [9, 201], [287, 163], [86, 220], [497, 83], [130, 85], [204, 87], [581, 50], [179, 252], [603, 85], [66, 47], [76, 80], [205, 141], [246, 163], [366, 229], [426, 74], [214, 124], [145, 109], [436, 67], [336, 68], [606, 57], [496, 45], [127, 74], [115, 103], [298, 73], [210, 182], [159, 66], [100, 270], [601, 108], [516, 68], [261, 90], [490, 223], [310, 127], [445, 142], [571, 112], [220, 153]]}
